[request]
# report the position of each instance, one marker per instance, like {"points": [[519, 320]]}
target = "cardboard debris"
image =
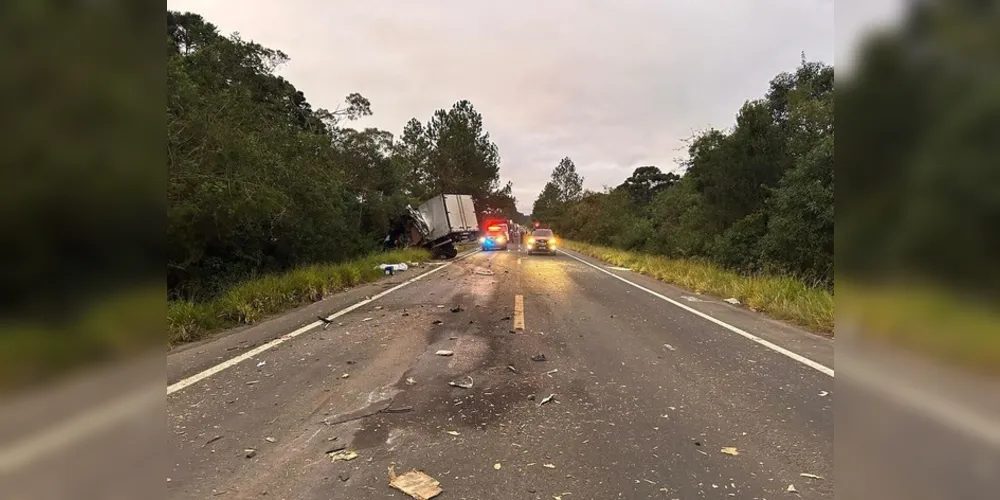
{"points": [[730, 450], [415, 483], [465, 383], [791, 489], [345, 455]]}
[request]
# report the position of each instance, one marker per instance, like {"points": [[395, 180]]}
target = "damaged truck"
{"points": [[436, 224]]}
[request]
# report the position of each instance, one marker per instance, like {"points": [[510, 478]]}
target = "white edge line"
{"points": [[770, 345], [948, 412], [63, 434], [193, 379]]}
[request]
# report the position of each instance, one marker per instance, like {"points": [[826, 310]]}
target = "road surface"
{"points": [[646, 394]]}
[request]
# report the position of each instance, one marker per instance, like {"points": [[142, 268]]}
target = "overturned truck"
{"points": [[436, 224]]}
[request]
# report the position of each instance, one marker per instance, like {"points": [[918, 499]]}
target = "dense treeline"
{"points": [[757, 198], [261, 182], [918, 167]]}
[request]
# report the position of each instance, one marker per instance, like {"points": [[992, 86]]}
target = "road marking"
{"points": [[518, 312], [181, 384], [770, 345]]}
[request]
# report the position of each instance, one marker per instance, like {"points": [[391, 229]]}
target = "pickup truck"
{"points": [[436, 224]]}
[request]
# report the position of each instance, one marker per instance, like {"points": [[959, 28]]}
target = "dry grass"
{"points": [[254, 300], [780, 297], [927, 319]]}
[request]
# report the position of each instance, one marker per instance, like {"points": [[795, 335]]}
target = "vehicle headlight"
{"points": [[501, 240], [531, 241], [482, 239]]}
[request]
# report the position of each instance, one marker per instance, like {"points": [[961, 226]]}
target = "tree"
{"points": [[547, 206], [646, 182], [567, 182], [461, 158]]}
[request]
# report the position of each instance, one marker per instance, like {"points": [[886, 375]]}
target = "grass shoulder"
{"points": [[939, 323], [256, 299], [780, 297]]}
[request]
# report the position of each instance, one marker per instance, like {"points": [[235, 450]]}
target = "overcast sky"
{"points": [[612, 84]]}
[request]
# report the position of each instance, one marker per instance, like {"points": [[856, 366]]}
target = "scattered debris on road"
{"points": [[810, 476], [550, 372], [456, 309], [410, 381], [344, 476], [249, 452], [484, 272], [326, 322], [619, 268], [210, 441], [733, 301], [511, 368], [730, 450], [452, 433], [262, 363], [823, 394], [691, 299], [669, 347], [466, 383], [505, 318], [437, 322], [538, 357], [444, 352], [549, 466], [345, 455], [401, 409], [253, 382], [415, 483], [367, 319], [346, 375], [546, 399], [270, 439], [497, 466], [391, 268], [791, 489]]}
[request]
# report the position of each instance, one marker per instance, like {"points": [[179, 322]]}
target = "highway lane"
{"points": [[646, 395]]}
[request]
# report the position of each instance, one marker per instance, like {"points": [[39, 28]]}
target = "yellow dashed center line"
{"points": [[518, 313]]}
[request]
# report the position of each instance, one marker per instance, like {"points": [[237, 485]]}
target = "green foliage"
{"points": [[260, 182], [646, 182], [256, 299], [781, 297], [756, 199]]}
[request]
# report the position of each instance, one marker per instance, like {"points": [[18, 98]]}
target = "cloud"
{"points": [[613, 85]]}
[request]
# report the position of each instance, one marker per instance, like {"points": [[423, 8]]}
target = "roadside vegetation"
{"points": [[258, 298], [781, 297], [756, 199], [261, 182], [272, 203]]}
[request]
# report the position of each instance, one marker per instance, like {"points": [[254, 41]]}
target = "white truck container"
{"points": [[450, 215]]}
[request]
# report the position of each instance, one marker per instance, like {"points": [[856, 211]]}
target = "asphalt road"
{"points": [[646, 393]]}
